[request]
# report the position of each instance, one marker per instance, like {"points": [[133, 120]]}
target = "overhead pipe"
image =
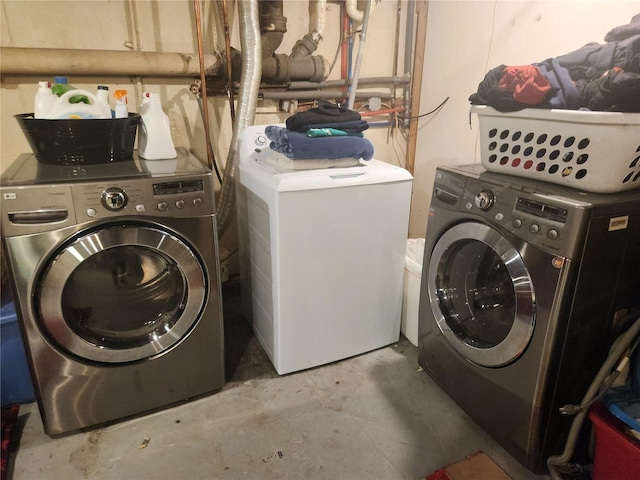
{"points": [[353, 12], [247, 101], [397, 80], [319, 94], [52, 61]]}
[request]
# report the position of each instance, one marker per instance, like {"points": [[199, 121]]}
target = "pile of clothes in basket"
{"points": [[598, 77], [326, 132]]}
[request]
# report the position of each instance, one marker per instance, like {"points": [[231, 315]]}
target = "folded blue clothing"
{"points": [[298, 146]]}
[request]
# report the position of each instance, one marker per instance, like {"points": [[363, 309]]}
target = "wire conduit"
{"points": [[356, 70]]}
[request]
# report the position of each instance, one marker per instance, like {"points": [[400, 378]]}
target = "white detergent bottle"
{"points": [[103, 97], [44, 101], [154, 134], [64, 109]]}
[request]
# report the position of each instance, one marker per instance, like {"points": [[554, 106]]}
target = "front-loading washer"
{"points": [[116, 282], [524, 285]]}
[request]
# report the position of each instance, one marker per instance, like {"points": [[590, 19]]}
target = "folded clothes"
{"points": [[325, 112], [298, 146], [352, 127]]}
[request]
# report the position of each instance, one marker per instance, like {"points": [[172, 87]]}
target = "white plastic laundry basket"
{"points": [[591, 151]]}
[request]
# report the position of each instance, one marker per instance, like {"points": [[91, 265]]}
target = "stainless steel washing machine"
{"points": [[523, 284], [116, 279]]}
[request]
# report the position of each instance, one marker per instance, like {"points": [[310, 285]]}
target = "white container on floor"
{"points": [[411, 292], [324, 251]]}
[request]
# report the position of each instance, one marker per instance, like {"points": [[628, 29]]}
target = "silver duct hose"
{"points": [[247, 100], [356, 69], [617, 351]]}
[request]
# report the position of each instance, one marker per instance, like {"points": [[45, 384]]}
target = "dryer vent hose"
{"points": [[618, 350]]}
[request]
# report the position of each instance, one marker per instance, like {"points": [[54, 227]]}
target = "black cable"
{"points": [[429, 113]]}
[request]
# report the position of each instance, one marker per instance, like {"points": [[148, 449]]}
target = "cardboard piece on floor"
{"points": [[477, 466]]}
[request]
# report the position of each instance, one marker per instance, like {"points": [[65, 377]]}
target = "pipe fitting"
{"points": [[280, 69], [305, 46]]}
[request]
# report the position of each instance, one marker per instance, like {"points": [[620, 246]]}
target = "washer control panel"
{"points": [[548, 221], [173, 197]]}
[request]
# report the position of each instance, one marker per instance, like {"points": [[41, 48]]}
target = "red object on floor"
{"points": [[9, 417], [616, 455]]}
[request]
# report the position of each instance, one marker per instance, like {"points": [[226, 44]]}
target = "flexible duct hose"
{"points": [[616, 352], [247, 100], [356, 71]]}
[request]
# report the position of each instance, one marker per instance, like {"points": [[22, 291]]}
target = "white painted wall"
{"points": [[464, 40]]}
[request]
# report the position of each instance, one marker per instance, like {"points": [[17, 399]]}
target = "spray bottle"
{"points": [[122, 110], [44, 101], [154, 135]]}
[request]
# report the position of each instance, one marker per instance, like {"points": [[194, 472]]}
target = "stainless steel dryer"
{"points": [[523, 285], [116, 279]]}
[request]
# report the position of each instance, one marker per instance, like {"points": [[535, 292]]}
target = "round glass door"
{"points": [[121, 293], [481, 294]]}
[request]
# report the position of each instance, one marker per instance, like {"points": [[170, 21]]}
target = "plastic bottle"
{"points": [[44, 101], [64, 109], [103, 97], [122, 109], [61, 86], [154, 135]]}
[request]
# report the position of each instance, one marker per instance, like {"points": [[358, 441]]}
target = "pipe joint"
{"points": [[280, 69], [305, 46]]}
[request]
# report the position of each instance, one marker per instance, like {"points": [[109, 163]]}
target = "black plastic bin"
{"points": [[80, 141]]}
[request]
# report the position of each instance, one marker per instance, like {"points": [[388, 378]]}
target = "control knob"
{"points": [[484, 200], [114, 199]]}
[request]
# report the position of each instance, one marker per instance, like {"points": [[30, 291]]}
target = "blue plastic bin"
{"points": [[15, 380]]}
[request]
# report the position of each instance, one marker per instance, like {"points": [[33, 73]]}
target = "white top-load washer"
{"points": [[322, 253]]}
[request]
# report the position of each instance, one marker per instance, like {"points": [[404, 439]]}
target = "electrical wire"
{"points": [[431, 112]]}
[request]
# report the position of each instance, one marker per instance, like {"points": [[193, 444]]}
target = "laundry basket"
{"points": [[590, 151]]}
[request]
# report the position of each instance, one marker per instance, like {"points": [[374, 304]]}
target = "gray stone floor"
{"points": [[374, 416]]}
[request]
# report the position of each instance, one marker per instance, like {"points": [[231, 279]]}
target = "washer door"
{"points": [[121, 293], [481, 294]]}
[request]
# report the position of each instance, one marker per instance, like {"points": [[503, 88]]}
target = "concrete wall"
{"points": [[464, 40]]}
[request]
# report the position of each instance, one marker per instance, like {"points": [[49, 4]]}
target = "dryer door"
{"points": [[481, 294], [121, 293]]}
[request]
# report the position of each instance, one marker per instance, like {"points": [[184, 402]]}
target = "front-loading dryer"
{"points": [[116, 281], [523, 287]]}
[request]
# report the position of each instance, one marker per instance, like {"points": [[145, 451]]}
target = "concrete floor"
{"points": [[374, 416]]}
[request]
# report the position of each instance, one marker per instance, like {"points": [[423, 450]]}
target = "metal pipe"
{"points": [[51, 61], [408, 48], [317, 94], [397, 80], [247, 100]]}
